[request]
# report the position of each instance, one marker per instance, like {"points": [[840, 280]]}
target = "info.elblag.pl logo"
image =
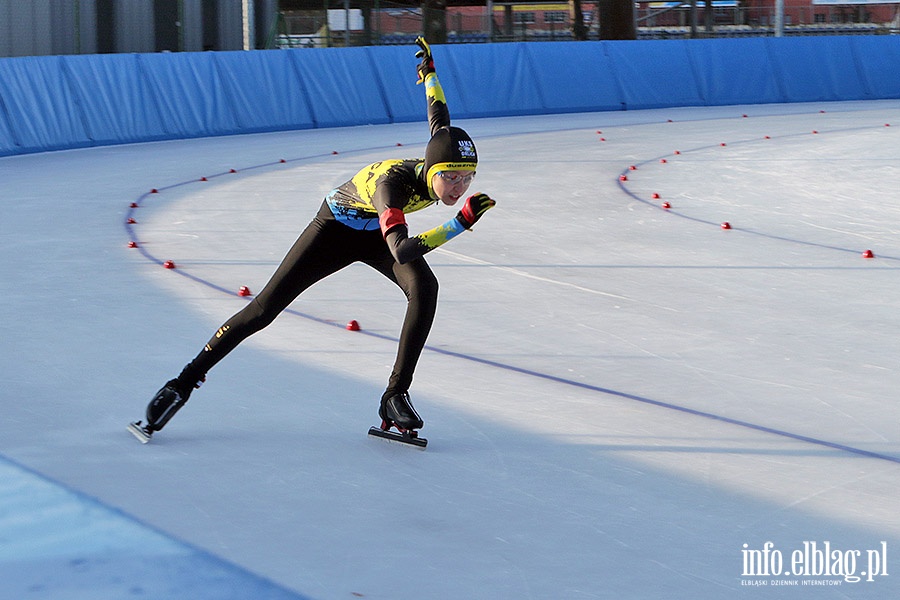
{"points": [[812, 563]]}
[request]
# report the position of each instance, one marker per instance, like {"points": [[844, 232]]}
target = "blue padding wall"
{"points": [[57, 102]]}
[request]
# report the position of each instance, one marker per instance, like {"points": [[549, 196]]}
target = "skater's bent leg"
{"points": [[320, 250], [317, 253], [421, 288]]}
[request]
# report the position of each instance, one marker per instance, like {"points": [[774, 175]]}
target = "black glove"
{"points": [[475, 206], [427, 65]]}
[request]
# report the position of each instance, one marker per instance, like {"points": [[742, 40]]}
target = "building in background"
{"points": [[43, 27], [308, 23]]}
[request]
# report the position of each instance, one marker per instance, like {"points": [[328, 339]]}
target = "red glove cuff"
{"points": [[390, 219]]}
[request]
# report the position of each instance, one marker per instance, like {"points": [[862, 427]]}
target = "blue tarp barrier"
{"points": [[264, 91], [574, 82], [507, 83], [395, 69], [341, 86], [115, 101], [50, 103], [729, 71], [7, 140], [189, 92], [808, 71], [654, 75], [877, 56], [42, 113]]}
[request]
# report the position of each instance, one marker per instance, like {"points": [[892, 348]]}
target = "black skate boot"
{"points": [[396, 410], [167, 401]]}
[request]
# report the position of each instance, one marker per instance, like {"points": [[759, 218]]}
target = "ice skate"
{"points": [[167, 401], [397, 411], [142, 432]]}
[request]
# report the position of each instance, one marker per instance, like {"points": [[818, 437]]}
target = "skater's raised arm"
{"points": [[438, 113], [446, 173]]}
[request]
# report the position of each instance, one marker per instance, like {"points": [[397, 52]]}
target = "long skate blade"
{"points": [[138, 432], [403, 438]]}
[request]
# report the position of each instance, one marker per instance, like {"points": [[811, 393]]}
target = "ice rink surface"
{"points": [[622, 400]]}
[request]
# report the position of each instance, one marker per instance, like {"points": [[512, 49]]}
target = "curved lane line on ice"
{"points": [[623, 186]]}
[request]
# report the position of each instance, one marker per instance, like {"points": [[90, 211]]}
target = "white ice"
{"points": [[617, 397]]}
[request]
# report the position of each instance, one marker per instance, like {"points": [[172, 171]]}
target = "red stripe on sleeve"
{"points": [[391, 218]]}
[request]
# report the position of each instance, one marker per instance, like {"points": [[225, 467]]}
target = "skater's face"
{"points": [[449, 186]]}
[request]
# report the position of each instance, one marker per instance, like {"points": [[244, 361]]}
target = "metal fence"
{"points": [[400, 24]]}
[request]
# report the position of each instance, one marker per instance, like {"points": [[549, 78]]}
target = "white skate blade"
{"points": [[138, 432], [400, 438]]}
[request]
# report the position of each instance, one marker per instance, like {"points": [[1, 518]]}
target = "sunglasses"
{"points": [[456, 179]]}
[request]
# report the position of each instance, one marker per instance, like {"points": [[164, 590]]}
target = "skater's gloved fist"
{"points": [[427, 65], [475, 206]]}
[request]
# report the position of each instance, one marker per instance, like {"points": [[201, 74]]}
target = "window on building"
{"points": [[556, 16], [524, 18]]}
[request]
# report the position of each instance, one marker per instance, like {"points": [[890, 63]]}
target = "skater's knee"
{"points": [[428, 287], [423, 288], [257, 315]]}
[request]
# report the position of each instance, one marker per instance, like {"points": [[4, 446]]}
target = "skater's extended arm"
{"points": [[405, 248]]}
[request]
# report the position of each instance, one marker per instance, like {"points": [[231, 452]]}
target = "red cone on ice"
{"points": [[244, 291], [726, 225], [353, 325], [169, 264], [868, 254]]}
